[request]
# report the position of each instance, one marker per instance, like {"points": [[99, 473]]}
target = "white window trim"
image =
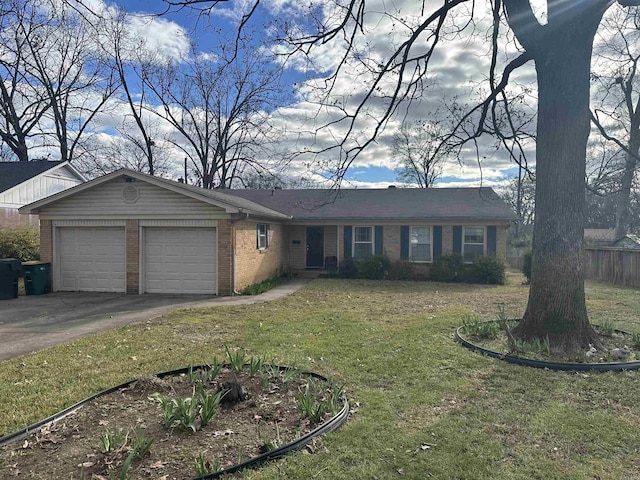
{"points": [[484, 239], [353, 239], [430, 243], [265, 236]]}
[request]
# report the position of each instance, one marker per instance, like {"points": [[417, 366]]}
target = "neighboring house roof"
{"points": [[15, 173], [219, 198], [606, 237], [384, 204], [631, 242], [600, 236]]}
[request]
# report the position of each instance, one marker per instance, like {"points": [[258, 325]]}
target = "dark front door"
{"points": [[315, 247]]}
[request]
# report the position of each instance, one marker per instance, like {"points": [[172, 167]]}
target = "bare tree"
{"points": [[416, 151], [22, 101], [77, 82], [618, 90], [133, 62], [219, 105], [54, 83], [109, 153]]}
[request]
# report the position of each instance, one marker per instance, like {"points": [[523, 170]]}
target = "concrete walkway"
{"points": [[32, 323]]}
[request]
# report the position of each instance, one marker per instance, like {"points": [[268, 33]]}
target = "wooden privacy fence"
{"points": [[613, 265]]}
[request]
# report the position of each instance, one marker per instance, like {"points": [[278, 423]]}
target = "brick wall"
{"points": [[46, 241], [253, 265], [132, 232], [391, 241], [225, 249]]}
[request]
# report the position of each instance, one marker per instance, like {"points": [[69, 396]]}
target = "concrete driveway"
{"points": [[33, 322]]}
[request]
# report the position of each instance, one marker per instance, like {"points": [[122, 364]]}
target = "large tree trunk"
{"points": [[557, 307]]}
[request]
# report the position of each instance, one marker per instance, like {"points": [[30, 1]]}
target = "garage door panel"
{"points": [[180, 260], [92, 259]]}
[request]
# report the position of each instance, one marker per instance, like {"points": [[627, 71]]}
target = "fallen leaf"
{"points": [[102, 423], [158, 464], [86, 464]]}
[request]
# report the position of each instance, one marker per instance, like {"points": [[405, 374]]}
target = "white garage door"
{"points": [[92, 259], [180, 260]]}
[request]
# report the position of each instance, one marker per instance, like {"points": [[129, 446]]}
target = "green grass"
{"points": [[424, 407]]}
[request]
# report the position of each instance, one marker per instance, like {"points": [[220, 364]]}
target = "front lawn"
{"points": [[424, 407]]}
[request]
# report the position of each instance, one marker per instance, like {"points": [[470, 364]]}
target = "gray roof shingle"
{"points": [[383, 204], [15, 173]]}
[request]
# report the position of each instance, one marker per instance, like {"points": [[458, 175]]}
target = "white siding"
{"points": [[107, 200], [38, 187]]}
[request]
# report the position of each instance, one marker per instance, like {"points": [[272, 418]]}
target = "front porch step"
{"points": [[307, 273]]}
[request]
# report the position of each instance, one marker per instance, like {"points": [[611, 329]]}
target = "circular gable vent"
{"points": [[130, 194]]}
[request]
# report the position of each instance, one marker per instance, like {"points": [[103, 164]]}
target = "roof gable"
{"points": [[217, 198], [13, 174]]}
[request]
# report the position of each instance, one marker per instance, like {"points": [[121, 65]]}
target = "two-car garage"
{"points": [[171, 259]]}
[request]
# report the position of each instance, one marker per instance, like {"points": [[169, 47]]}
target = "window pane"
{"points": [[474, 235], [262, 235], [421, 253], [362, 250], [420, 241], [362, 234], [420, 235], [472, 251]]}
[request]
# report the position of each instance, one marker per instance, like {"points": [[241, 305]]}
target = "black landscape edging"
{"points": [[327, 427], [558, 366]]}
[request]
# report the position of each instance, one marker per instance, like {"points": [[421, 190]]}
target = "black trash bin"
{"points": [[36, 278], [10, 271]]}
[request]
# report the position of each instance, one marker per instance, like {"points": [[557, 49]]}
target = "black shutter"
{"points": [[404, 243], [348, 251], [457, 239], [379, 247], [437, 242]]}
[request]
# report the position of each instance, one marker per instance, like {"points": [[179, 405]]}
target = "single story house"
{"points": [[135, 233], [22, 183], [607, 237]]}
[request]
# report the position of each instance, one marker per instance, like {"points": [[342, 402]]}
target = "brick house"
{"points": [[22, 183], [134, 233]]}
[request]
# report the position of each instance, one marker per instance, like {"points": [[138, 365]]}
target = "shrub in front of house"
{"points": [[21, 242], [373, 267], [487, 270], [401, 270], [448, 268], [348, 268], [526, 266]]}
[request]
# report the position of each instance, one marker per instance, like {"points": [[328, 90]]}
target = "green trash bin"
{"points": [[36, 277], [9, 274]]}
